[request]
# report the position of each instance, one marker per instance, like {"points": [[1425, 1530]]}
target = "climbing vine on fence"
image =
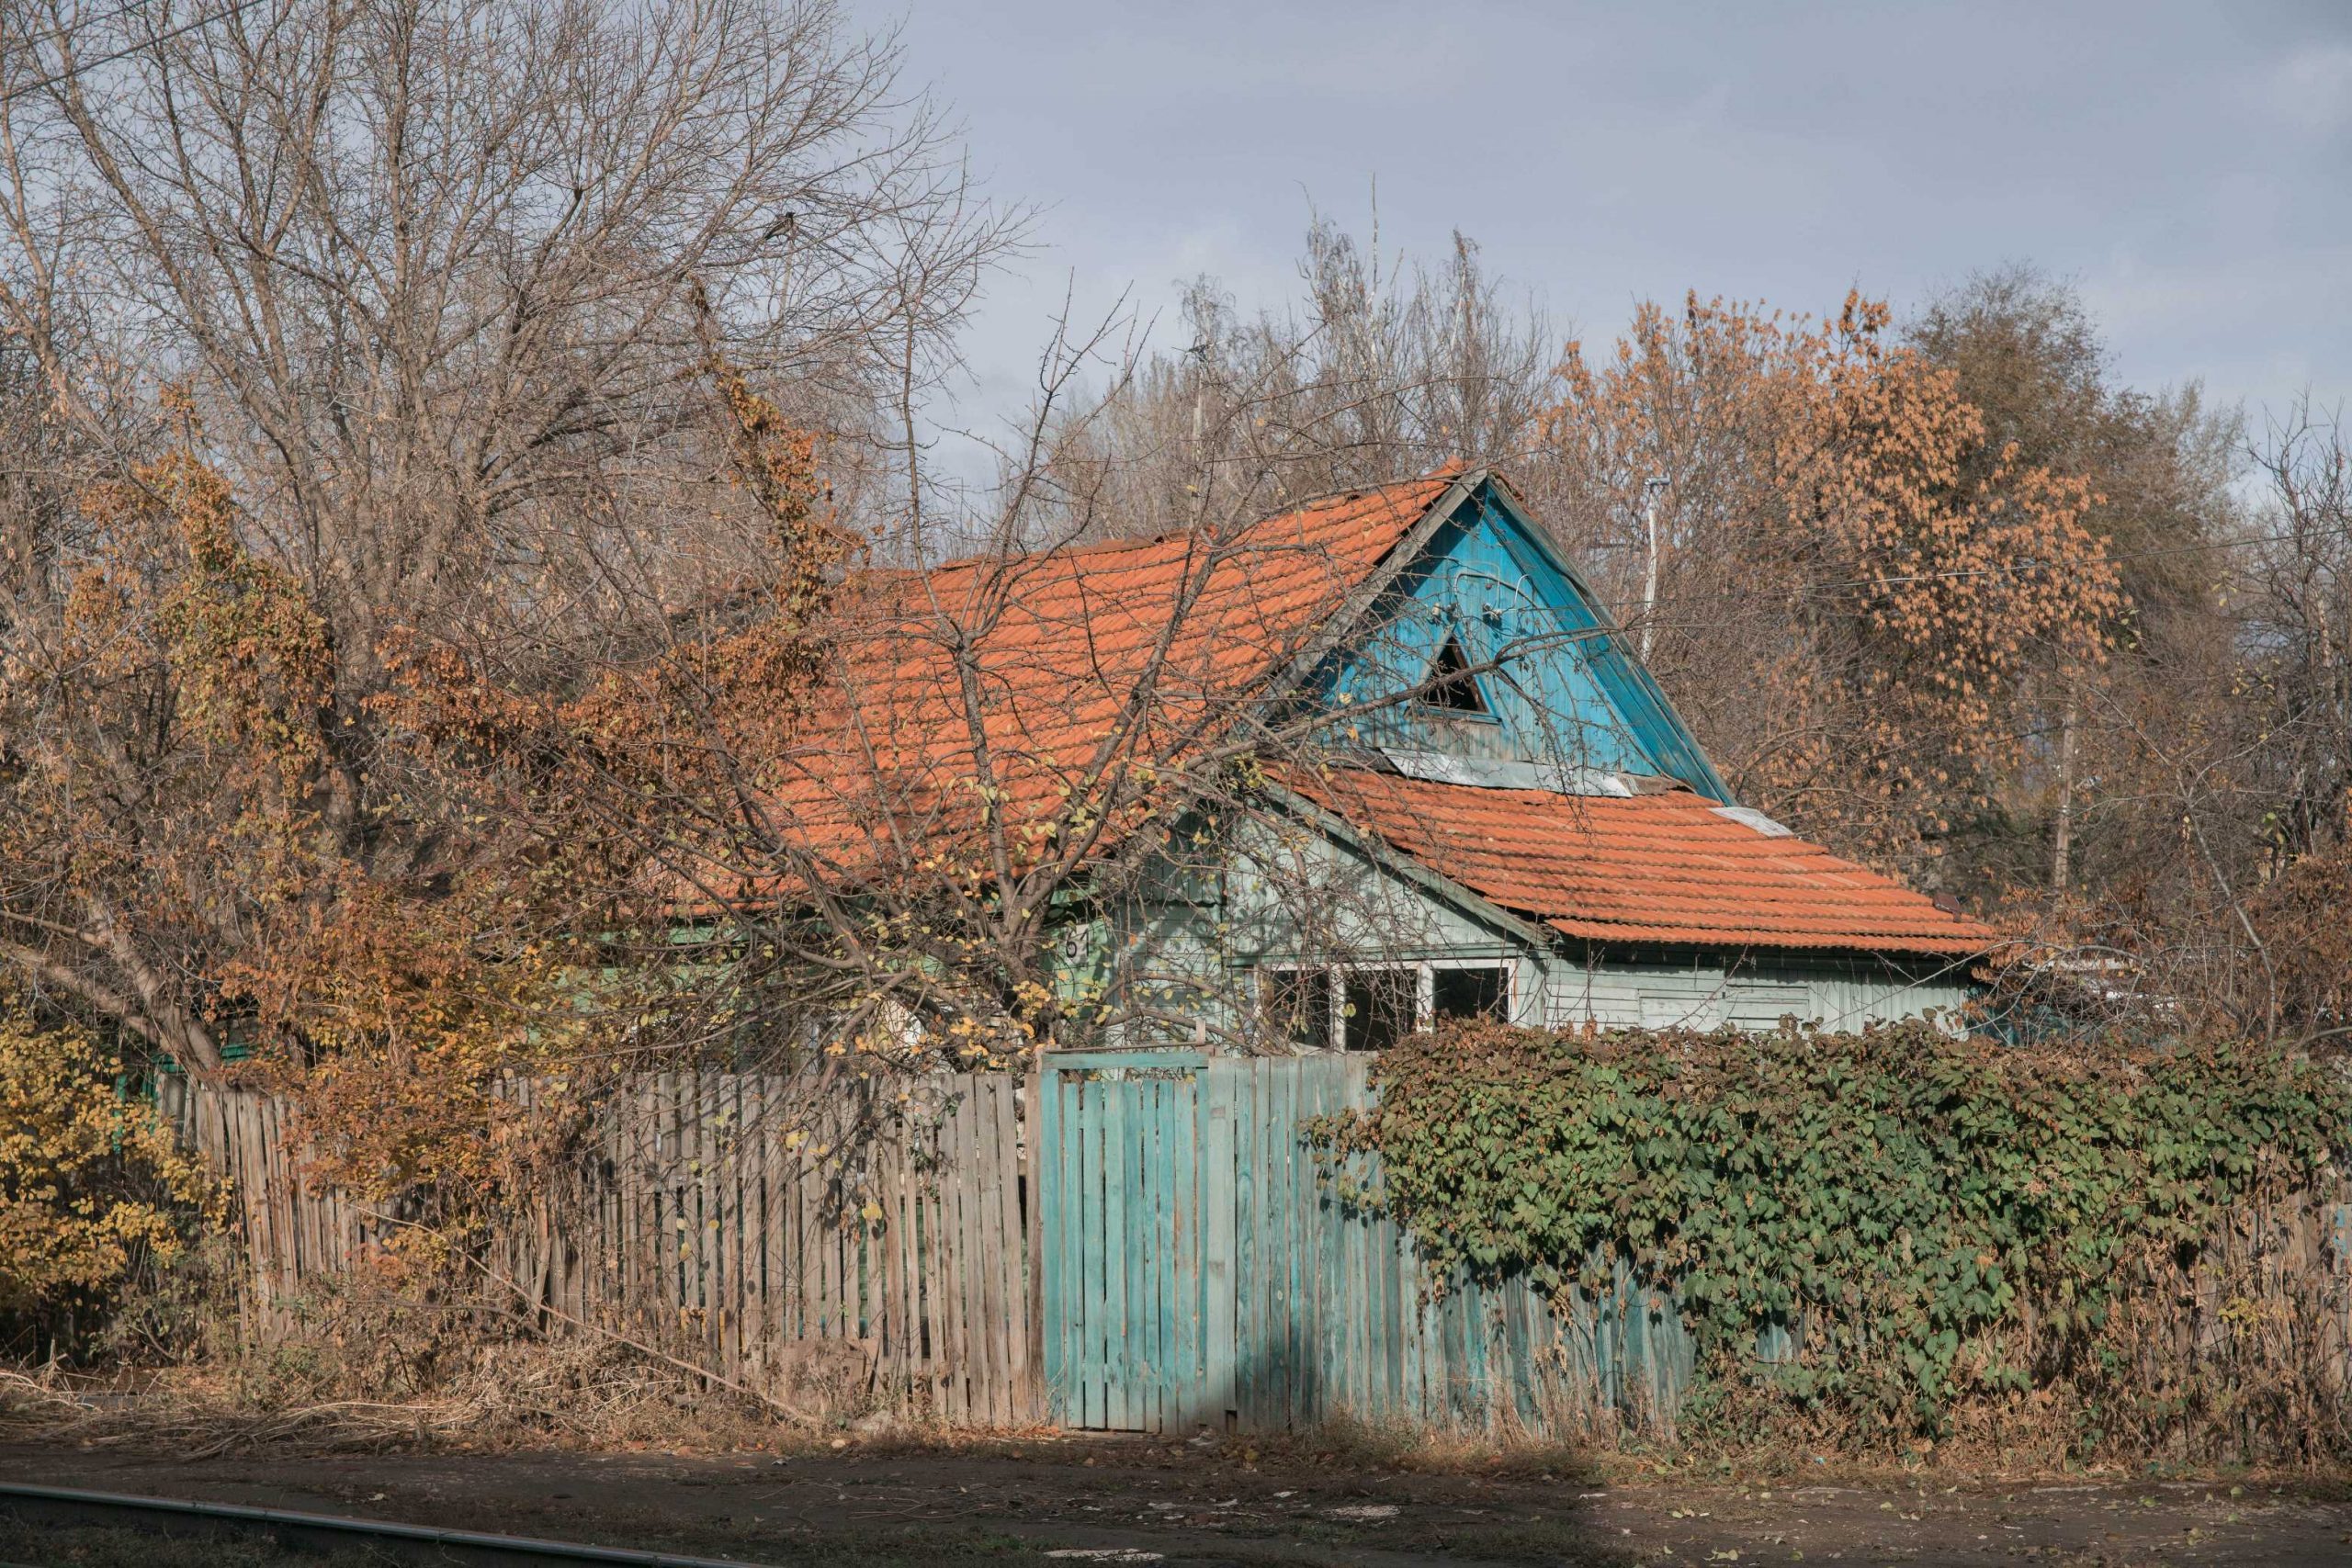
{"points": [[1907, 1201]]}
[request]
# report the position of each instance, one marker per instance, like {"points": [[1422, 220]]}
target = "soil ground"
{"points": [[1047, 1502]]}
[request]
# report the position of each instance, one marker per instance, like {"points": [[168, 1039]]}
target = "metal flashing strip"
{"points": [[1487, 772], [1748, 816]]}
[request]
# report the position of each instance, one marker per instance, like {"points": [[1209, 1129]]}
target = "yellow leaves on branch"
{"points": [[91, 1183]]}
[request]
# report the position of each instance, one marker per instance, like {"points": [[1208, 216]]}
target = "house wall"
{"points": [[1704, 990], [1190, 947]]}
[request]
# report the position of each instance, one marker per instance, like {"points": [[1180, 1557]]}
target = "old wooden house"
{"points": [[1465, 793], [1415, 772]]}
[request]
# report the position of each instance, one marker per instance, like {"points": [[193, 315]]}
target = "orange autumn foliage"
{"points": [[170, 798], [1850, 599], [649, 750], [417, 1013]]}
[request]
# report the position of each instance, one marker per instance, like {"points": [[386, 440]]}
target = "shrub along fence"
{"points": [[1889, 1239], [2128, 1253]]}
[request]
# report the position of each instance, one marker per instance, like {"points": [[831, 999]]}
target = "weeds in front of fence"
{"points": [[361, 1367]]}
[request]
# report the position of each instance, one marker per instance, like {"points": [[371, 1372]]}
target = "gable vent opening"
{"points": [[1449, 686]]}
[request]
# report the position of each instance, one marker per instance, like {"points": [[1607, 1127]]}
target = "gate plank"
{"points": [[1219, 1190], [1080, 1217], [1182, 1386], [1144, 1257]]}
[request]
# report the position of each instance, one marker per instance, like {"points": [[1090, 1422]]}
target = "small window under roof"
{"points": [[1449, 686]]}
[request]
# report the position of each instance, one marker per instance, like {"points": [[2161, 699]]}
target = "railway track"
{"points": [[393, 1542]]}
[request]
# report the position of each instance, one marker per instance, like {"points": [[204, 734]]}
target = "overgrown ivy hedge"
{"points": [[1942, 1221]]}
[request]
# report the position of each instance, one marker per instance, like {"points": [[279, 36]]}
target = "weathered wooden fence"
{"points": [[292, 1231], [1124, 1241], [1137, 1241], [734, 1220]]}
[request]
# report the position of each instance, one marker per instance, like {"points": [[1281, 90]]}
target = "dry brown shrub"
{"points": [[361, 1368]]}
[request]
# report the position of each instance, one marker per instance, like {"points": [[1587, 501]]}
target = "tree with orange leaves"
{"points": [[1849, 589], [185, 855]]}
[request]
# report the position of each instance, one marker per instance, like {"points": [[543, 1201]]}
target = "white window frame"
{"points": [[1424, 989]]}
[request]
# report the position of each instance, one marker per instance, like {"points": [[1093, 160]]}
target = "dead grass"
{"points": [[360, 1371], [324, 1393]]}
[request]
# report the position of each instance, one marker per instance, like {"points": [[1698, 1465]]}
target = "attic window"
{"points": [[1449, 687]]}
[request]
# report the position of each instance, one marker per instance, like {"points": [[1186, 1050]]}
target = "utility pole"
{"points": [[1652, 488], [2061, 847]]}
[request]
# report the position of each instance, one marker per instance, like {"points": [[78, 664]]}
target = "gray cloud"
{"points": [[2189, 166]]}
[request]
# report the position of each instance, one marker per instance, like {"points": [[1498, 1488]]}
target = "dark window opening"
{"points": [[1450, 685], [1298, 1006], [1479, 992], [1380, 1005]]}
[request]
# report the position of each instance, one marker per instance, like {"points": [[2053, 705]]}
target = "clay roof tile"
{"points": [[1669, 869]]}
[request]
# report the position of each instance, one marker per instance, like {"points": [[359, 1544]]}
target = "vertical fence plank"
{"points": [[1249, 1296], [1082, 1249], [1220, 1191], [1280, 1125], [995, 1285], [1112, 1254], [1180, 1387], [1004, 1188], [976, 1269], [1049, 1163], [816, 1231]]}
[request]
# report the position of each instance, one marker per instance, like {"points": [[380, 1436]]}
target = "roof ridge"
{"points": [[1437, 479]]}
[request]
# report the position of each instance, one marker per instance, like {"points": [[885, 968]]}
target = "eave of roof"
{"points": [[1651, 870]]}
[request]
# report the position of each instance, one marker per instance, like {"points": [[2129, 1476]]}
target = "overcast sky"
{"points": [[2189, 166]]}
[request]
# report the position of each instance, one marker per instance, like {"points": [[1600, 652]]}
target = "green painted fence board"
{"points": [[1248, 1278], [1185, 1375], [1217, 1176], [1197, 1271], [1118, 1248]]}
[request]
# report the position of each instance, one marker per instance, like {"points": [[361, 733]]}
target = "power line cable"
{"points": [[18, 91]]}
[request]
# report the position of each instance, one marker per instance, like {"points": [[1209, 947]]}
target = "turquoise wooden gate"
{"points": [[1119, 1220], [1195, 1272]]}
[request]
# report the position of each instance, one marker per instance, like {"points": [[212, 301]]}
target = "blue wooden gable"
{"points": [[1565, 693]]}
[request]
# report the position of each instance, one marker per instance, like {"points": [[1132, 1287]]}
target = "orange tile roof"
{"points": [[1665, 869], [1055, 648]]}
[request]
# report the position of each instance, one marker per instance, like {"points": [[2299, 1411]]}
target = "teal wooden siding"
{"points": [[1200, 961], [1198, 1273], [1566, 693]]}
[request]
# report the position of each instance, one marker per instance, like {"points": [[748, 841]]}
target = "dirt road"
{"points": [[1074, 1501]]}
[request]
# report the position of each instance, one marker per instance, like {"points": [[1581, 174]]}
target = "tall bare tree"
{"points": [[434, 282], [1378, 372]]}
